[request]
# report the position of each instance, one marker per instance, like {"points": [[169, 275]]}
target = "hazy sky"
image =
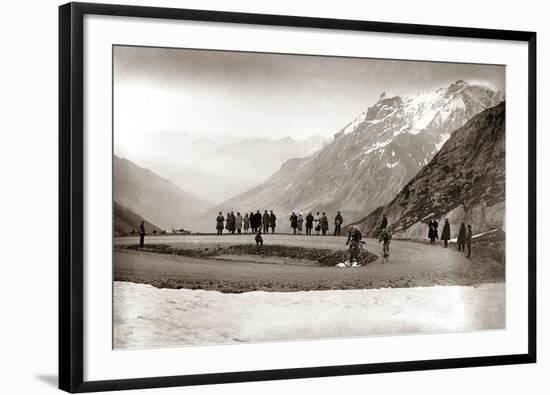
{"points": [[239, 94]]}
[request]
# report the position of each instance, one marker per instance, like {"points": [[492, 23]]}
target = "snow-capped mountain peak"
{"points": [[393, 115], [374, 156]]}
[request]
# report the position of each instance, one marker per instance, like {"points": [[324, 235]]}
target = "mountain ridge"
{"points": [[465, 181], [217, 168], [125, 221], [153, 197], [371, 158]]}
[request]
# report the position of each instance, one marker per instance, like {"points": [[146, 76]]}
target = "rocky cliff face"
{"points": [[372, 158], [465, 181]]}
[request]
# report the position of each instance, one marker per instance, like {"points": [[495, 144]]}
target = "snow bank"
{"points": [[145, 316]]}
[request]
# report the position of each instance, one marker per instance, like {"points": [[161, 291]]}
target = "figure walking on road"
{"points": [[446, 234], [258, 238], [461, 239], [142, 234], [338, 221], [219, 223]]}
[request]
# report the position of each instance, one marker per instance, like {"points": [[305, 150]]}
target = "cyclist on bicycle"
{"points": [[385, 237], [354, 241]]}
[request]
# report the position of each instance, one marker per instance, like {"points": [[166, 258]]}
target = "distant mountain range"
{"points": [[371, 159], [217, 168], [150, 196], [465, 181], [125, 221]]}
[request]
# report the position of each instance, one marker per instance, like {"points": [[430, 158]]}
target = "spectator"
{"points": [[446, 234], [338, 221], [272, 221]]}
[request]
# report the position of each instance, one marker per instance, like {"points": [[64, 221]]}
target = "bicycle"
{"points": [[357, 253]]}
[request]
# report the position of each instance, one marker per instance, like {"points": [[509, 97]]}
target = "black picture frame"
{"points": [[71, 174]]}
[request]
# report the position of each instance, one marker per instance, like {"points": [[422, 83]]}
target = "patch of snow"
{"points": [[403, 128], [354, 124], [145, 316], [427, 216], [392, 165], [346, 264], [378, 145], [443, 140], [423, 120], [484, 233], [288, 186], [376, 121]]}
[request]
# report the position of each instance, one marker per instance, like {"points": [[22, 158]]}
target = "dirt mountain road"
{"points": [[411, 265]]}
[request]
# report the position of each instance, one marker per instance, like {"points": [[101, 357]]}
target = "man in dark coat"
{"points": [[384, 223], [469, 241], [432, 231], [252, 222], [461, 239], [338, 221], [227, 220], [219, 223], [258, 220], [293, 222], [265, 222], [272, 221], [142, 234], [324, 224], [232, 223], [309, 223], [446, 234]]}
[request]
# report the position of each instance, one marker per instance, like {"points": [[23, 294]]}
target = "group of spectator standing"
{"points": [[249, 222], [463, 240], [255, 222], [319, 222]]}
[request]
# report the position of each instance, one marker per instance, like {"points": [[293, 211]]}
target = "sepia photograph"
{"points": [[263, 197]]}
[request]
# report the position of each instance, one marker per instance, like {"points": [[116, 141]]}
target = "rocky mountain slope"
{"points": [[125, 221], [465, 181], [153, 197], [372, 158]]}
